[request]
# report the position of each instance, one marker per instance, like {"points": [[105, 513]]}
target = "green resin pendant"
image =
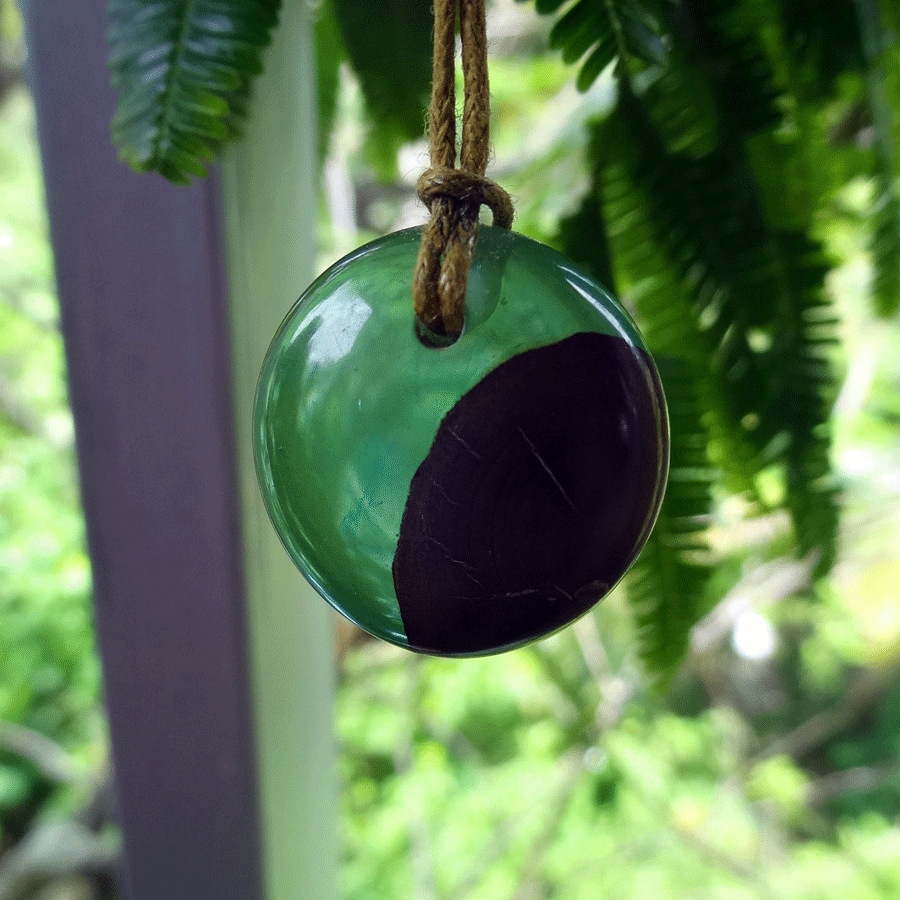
{"points": [[468, 499]]}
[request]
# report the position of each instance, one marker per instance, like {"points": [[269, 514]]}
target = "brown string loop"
{"points": [[457, 184], [454, 195]]}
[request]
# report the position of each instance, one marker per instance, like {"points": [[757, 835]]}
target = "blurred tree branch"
{"points": [[865, 690], [48, 757]]}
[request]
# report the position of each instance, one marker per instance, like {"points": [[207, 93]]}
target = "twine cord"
{"points": [[454, 195]]}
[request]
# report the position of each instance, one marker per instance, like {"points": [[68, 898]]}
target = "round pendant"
{"points": [[468, 499]]}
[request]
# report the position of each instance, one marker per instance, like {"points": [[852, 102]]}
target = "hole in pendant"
{"points": [[436, 338]]}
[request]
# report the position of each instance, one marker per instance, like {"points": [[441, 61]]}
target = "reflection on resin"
{"points": [[338, 322]]}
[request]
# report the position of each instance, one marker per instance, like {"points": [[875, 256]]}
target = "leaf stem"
{"points": [[167, 102]]}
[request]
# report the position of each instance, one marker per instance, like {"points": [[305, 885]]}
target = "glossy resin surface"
{"points": [[468, 499]]}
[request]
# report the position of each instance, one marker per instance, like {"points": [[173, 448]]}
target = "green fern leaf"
{"points": [[772, 185], [824, 37], [602, 31], [803, 389], [667, 585], [329, 56], [813, 503], [671, 317], [183, 69], [712, 36], [770, 189], [390, 51], [886, 251], [711, 242], [760, 316], [886, 231]]}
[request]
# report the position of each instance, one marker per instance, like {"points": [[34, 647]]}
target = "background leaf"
{"points": [[330, 54], [886, 207], [390, 52], [602, 32], [667, 586], [183, 69]]}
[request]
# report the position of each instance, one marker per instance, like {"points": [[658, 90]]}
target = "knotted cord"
{"points": [[454, 195]]}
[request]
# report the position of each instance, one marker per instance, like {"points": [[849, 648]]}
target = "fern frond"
{"points": [[183, 69], [709, 218], [681, 107], [886, 251], [760, 314], [885, 241], [330, 54], [603, 31], [671, 318], [824, 37], [763, 213], [389, 47], [711, 241], [803, 384], [667, 584], [713, 36]]}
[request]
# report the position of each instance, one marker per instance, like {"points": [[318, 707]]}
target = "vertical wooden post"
{"points": [[271, 196], [141, 276]]}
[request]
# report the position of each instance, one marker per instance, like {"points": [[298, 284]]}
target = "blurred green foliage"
{"points": [[49, 672], [509, 778]]}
